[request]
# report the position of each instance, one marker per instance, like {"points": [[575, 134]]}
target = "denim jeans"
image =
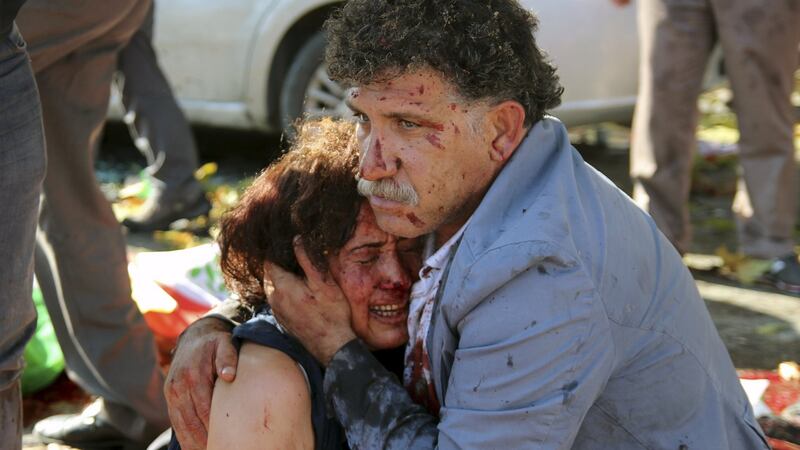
{"points": [[22, 168]]}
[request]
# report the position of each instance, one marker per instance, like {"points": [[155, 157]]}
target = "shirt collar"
{"points": [[438, 259]]}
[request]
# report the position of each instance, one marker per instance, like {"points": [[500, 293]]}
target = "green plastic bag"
{"points": [[43, 358]]}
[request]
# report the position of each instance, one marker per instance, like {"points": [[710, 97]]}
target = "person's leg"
{"points": [[164, 136], [22, 166], [676, 38], [83, 269], [759, 41]]}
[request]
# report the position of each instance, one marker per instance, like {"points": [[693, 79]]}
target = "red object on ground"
{"points": [[782, 445], [170, 325], [780, 393]]}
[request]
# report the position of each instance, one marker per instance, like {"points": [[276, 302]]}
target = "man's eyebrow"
{"points": [[391, 115], [407, 115], [421, 119]]}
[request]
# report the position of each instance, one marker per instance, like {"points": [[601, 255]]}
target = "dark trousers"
{"points": [[168, 143]]}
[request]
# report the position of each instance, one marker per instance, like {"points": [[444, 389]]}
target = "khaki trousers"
{"points": [[81, 260], [759, 39]]}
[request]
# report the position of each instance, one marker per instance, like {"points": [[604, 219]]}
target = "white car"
{"points": [[257, 64]]}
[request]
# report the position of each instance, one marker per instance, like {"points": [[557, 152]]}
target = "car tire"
{"points": [[307, 89]]}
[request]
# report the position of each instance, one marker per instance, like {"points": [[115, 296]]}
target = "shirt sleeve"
{"points": [[371, 404], [532, 358]]}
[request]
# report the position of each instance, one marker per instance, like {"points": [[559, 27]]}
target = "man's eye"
{"points": [[408, 125]]}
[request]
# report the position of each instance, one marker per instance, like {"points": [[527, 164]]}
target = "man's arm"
{"points": [[204, 352], [371, 404], [531, 361]]}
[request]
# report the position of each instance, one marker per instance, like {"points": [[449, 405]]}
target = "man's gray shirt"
{"points": [[565, 320]]}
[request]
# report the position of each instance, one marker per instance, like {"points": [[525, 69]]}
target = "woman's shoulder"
{"points": [[268, 402], [272, 367], [264, 329]]}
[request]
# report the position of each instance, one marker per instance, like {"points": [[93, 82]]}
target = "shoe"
{"points": [[163, 207], [784, 274], [778, 428], [86, 430], [162, 441]]}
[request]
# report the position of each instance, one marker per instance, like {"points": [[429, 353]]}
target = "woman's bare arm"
{"points": [[268, 406]]}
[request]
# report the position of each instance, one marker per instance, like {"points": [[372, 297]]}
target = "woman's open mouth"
{"points": [[390, 313]]}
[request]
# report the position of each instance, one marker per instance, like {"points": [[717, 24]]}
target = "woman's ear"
{"points": [[507, 119]]}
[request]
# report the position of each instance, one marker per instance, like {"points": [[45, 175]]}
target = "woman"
{"points": [[276, 400]]}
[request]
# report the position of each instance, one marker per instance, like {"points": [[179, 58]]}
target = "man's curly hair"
{"points": [[485, 48], [309, 192]]}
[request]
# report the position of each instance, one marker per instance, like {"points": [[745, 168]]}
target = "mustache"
{"points": [[390, 190]]}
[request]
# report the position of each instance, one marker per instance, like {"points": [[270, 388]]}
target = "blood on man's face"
{"points": [[414, 129]]}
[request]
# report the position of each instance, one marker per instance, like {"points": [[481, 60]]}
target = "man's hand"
{"points": [[314, 311], [205, 352]]}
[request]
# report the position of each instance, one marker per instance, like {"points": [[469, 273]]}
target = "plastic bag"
{"points": [[44, 361], [173, 289]]}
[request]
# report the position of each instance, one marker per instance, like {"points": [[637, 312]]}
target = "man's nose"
{"points": [[376, 160]]}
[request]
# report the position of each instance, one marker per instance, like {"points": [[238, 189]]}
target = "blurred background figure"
{"points": [[759, 41], [80, 260], [22, 166], [160, 131]]}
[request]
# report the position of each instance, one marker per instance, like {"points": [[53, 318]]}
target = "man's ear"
{"points": [[507, 119]]}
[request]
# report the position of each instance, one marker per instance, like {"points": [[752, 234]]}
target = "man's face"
{"points": [[415, 132]]}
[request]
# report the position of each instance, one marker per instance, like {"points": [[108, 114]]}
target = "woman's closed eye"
{"points": [[365, 257]]}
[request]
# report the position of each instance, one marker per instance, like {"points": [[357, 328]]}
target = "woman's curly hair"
{"points": [[485, 48], [309, 192]]}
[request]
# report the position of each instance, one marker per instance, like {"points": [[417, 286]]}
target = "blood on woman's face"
{"points": [[373, 270]]}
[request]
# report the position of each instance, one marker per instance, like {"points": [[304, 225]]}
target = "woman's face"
{"points": [[373, 270]]}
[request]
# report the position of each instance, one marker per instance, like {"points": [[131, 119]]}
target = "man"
{"points": [[162, 134], [22, 166], [81, 258], [759, 42], [553, 314]]}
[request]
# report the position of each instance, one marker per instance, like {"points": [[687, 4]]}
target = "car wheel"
{"points": [[307, 89]]}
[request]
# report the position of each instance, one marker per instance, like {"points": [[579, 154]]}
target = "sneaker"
{"points": [[163, 207], [784, 274]]}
